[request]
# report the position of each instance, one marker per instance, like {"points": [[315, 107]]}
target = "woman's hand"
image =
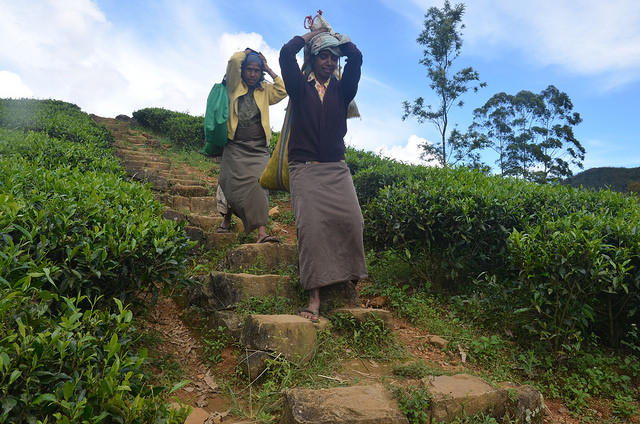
{"points": [[265, 66]]}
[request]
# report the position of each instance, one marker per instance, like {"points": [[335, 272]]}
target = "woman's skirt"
{"points": [[329, 224], [241, 167]]}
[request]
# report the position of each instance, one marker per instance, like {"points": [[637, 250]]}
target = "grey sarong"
{"points": [[329, 224], [243, 162]]}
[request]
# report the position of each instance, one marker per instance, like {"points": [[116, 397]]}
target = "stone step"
{"points": [[262, 257], [136, 165], [455, 396], [192, 190], [180, 178], [202, 205], [141, 156], [292, 336], [353, 405], [363, 314], [223, 290]]}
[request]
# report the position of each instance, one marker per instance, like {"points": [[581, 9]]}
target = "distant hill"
{"points": [[616, 179]]}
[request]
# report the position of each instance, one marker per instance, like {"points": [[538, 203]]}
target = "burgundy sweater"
{"points": [[318, 128]]}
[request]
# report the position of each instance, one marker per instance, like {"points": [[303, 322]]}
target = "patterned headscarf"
{"points": [[323, 41]]}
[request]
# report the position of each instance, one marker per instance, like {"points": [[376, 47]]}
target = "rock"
{"points": [[174, 215], [190, 190], [206, 222], [292, 336], [526, 405], [253, 363], [221, 290], [437, 341], [197, 416], [231, 321], [354, 405], [362, 314], [463, 394], [265, 257], [339, 295]]}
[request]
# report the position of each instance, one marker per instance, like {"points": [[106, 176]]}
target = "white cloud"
{"points": [[70, 51], [11, 86], [590, 38], [409, 153]]}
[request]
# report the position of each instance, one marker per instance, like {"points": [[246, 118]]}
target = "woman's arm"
{"points": [[352, 71], [234, 69]]}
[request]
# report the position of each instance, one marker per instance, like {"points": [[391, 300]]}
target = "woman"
{"points": [[246, 154], [329, 222]]}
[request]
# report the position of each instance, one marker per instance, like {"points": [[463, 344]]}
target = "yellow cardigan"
{"points": [[266, 94]]}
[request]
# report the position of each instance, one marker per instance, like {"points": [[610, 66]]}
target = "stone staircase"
{"points": [[256, 270]]}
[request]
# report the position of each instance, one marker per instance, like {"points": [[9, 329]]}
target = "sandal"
{"points": [[269, 239]]}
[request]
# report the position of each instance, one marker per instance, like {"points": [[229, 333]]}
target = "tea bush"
{"points": [[184, 130], [47, 152], [105, 235], [564, 259], [71, 206], [74, 234], [57, 119], [72, 365]]}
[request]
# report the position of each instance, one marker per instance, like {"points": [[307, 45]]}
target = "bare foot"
{"points": [[311, 312]]}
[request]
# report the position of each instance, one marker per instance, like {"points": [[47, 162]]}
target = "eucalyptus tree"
{"points": [[531, 133], [442, 41]]}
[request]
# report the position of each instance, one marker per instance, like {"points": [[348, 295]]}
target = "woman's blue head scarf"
{"points": [[254, 57]]}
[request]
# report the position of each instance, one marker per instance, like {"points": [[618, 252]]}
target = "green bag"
{"points": [[215, 120]]}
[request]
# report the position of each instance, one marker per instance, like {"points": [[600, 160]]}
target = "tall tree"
{"points": [[442, 39], [532, 134]]}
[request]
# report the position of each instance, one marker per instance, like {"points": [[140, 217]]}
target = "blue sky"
{"points": [[113, 57]]}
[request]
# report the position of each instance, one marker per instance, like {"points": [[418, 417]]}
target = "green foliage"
{"points": [[105, 235], [275, 135], [358, 160], [451, 224], [72, 365], [182, 129], [73, 234], [44, 151], [68, 206], [55, 118], [376, 176], [414, 402], [369, 338], [415, 370], [558, 261], [274, 305], [215, 340], [575, 275]]}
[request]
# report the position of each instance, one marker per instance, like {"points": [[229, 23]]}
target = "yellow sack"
{"points": [[276, 175]]}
